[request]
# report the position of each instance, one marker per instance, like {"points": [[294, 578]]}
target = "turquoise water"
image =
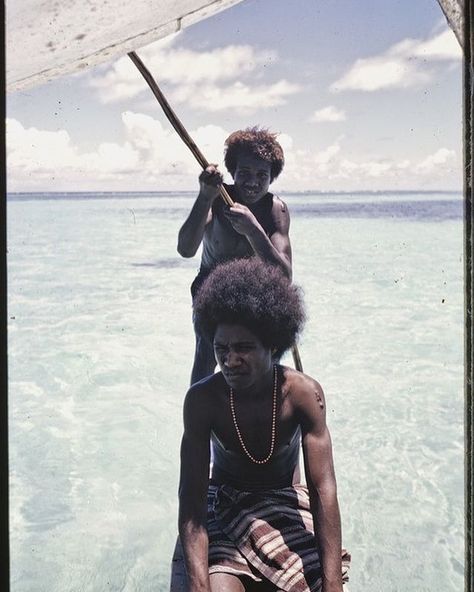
{"points": [[100, 349]]}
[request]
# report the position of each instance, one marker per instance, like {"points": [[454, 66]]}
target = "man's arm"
{"points": [[192, 231], [321, 481], [275, 250], [194, 480]]}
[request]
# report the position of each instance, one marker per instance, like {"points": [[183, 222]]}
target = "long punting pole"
{"points": [[198, 155]]}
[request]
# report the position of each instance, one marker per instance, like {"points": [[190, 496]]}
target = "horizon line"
{"points": [[288, 191]]}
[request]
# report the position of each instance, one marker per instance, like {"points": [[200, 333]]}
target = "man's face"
{"points": [[243, 359], [252, 178]]}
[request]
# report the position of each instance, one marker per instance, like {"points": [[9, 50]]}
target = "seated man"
{"points": [[250, 527], [257, 224]]}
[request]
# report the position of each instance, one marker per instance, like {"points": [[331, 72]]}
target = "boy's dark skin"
{"points": [[243, 235]]}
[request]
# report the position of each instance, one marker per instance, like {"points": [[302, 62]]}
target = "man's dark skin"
{"points": [[242, 236], [247, 366]]}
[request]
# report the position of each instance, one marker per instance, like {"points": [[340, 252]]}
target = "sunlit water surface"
{"points": [[100, 350]]}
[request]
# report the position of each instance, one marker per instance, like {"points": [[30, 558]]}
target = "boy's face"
{"points": [[252, 178]]}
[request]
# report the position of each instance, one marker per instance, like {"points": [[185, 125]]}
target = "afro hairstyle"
{"points": [[253, 294]]}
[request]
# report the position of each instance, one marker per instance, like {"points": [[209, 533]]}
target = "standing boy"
{"points": [[257, 224]]}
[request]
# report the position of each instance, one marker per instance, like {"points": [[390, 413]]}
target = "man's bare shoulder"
{"points": [[305, 393], [205, 387], [200, 400]]}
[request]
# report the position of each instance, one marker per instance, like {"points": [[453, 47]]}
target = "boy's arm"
{"points": [[321, 481], [194, 480], [192, 231], [280, 239], [275, 250]]}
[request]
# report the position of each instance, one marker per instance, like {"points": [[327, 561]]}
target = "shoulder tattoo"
{"points": [[319, 399]]}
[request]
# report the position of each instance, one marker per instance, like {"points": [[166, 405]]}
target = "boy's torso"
{"points": [[221, 242]]}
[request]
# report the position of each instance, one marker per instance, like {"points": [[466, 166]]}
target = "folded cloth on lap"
{"points": [[266, 534]]}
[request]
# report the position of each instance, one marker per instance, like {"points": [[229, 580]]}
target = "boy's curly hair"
{"points": [[257, 141], [256, 295]]}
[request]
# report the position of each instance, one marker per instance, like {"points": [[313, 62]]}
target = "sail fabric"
{"points": [[46, 39]]}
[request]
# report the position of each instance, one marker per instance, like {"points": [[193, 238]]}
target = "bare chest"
{"points": [[251, 423], [222, 242]]}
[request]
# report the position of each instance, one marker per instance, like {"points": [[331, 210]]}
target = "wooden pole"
{"points": [[198, 155], [175, 122]]}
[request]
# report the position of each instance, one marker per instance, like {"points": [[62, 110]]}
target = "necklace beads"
{"points": [[273, 434]]}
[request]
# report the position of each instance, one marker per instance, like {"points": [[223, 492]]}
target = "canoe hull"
{"points": [[62, 38]]}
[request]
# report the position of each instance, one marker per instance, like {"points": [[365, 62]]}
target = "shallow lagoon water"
{"points": [[100, 349]]}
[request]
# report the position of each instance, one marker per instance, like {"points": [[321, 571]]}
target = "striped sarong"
{"points": [[265, 535]]}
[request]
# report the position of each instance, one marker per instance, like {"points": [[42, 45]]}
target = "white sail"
{"points": [[454, 12], [49, 38]]}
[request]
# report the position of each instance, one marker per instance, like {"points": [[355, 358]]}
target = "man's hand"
{"points": [[209, 181], [241, 218]]}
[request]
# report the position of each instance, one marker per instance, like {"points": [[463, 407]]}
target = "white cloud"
{"points": [[36, 150], [239, 97], [443, 46], [381, 72], [324, 157], [440, 160], [328, 114], [151, 157], [409, 63], [49, 154], [331, 168], [368, 170], [111, 158], [208, 80], [210, 139]]}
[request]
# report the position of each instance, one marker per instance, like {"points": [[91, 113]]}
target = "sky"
{"points": [[364, 96]]}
